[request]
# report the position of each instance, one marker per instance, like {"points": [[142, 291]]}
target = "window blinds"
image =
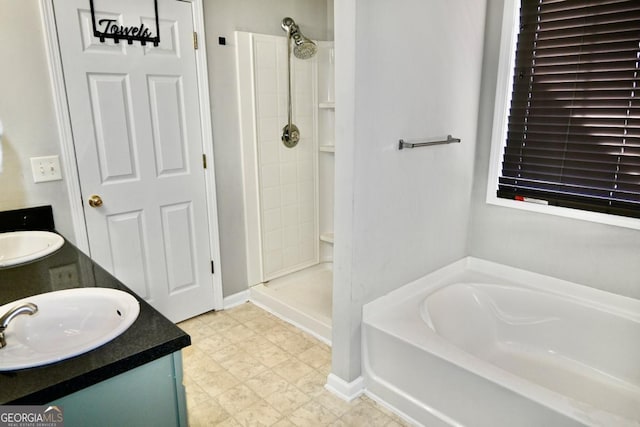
{"points": [[574, 125]]}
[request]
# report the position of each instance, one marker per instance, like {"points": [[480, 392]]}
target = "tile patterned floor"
{"points": [[246, 367]]}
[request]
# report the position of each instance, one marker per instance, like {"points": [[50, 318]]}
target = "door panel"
{"points": [[127, 241], [179, 238], [91, 44], [111, 107], [137, 135], [168, 35], [167, 114]]}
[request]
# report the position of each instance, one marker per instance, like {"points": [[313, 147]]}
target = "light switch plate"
{"points": [[46, 168]]}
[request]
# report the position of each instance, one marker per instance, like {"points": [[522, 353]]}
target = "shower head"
{"points": [[303, 47]]}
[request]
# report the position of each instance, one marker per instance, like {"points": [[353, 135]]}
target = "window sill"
{"points": [[601, 218]]}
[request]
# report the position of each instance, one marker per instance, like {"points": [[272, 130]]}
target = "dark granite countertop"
{"points": [[150, 337]]}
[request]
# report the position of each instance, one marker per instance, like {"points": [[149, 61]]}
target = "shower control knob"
{"points": [[290, 135]]}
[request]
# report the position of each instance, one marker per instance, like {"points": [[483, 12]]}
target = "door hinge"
{"points": [[204, 161], [195, 40], [213, 269]]}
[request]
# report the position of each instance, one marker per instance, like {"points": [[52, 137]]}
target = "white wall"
{"points": [[222, 18], [400, 214], [602, 256], [26, 111]]}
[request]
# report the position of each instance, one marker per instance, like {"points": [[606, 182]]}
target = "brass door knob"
{"points": [[95, 201]]}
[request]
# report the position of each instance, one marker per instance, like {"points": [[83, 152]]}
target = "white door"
{"points": [[136, 128]]}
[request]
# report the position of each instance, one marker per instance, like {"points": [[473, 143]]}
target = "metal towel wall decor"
{"points": [[111, 29]]}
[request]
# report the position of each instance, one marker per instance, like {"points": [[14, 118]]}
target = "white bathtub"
{"points": [[481, 344]]}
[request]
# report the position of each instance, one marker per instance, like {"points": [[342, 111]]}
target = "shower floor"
{"points": [[303, 298]]}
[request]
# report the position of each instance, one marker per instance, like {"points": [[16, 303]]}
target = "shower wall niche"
{"points": [[288, 192]]}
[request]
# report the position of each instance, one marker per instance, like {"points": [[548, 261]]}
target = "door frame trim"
{"points": [[63, 120], [65, 136]]}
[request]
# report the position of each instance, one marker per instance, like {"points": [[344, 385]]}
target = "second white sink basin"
{"points": [[68, 323], [17, 247]]}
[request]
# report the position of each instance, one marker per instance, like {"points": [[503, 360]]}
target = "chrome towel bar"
{"points": [[413, 144]]}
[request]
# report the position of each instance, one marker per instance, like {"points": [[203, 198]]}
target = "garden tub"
{"points": [[482, 344]]}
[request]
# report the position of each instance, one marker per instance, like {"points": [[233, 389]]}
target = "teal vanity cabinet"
{"points": [[133, 380], [150, 395]]}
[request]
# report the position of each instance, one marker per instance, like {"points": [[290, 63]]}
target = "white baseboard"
{"points": [[235, 299], [344, 390]]}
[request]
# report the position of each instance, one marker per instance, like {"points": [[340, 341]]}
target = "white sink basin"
{"points": [[17, 247], [67, 323]]}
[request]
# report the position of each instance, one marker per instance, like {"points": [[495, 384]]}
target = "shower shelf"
{"points": [[326, 237], [327, 105], [327, 148]]}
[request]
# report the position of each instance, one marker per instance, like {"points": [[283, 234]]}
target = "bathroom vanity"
{"points": [[135, 379]]}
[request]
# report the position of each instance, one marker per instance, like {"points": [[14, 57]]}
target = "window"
{"points": [[573, 130]]}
